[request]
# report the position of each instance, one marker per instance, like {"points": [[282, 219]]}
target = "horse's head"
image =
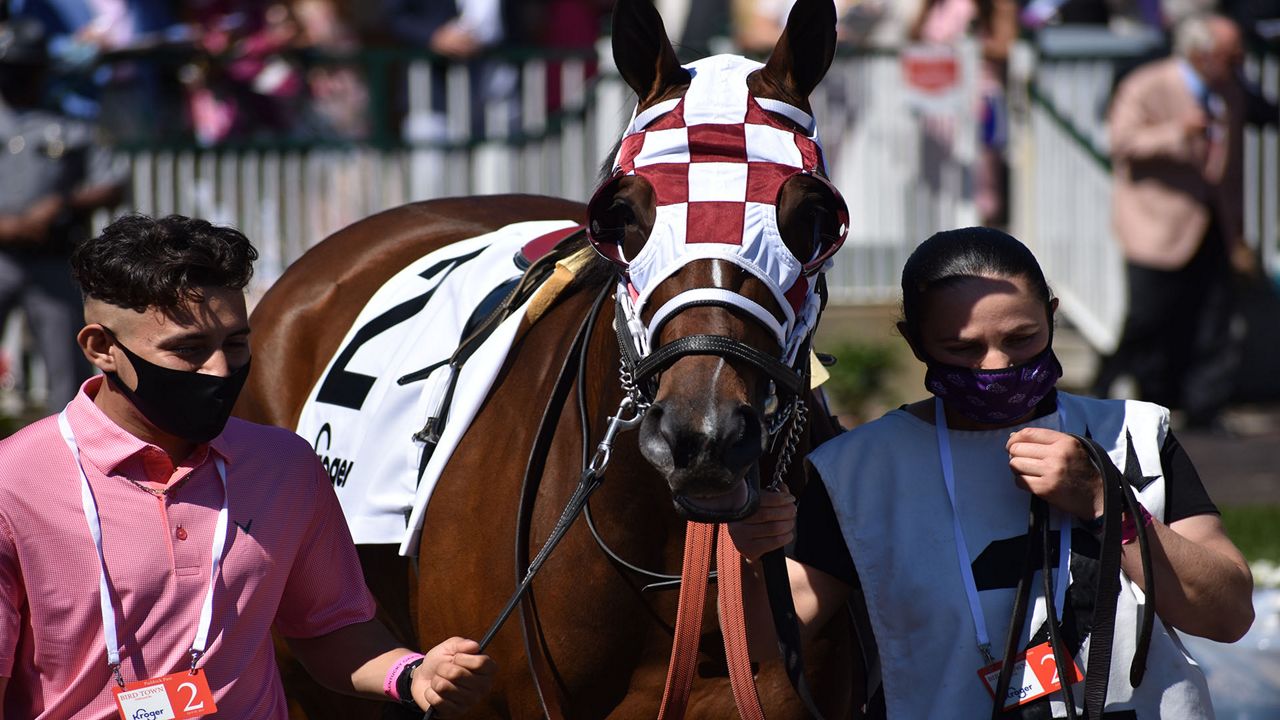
{"points": [[719, 211]]}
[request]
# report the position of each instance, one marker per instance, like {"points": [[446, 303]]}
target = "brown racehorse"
{"points": [[601, 643]]}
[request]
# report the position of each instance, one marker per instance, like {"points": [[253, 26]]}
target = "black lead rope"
{"points": [[1013, 640], [1061, 658], [787, 626], [1102, 630]]}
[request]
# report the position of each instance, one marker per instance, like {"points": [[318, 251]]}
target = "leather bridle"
{"points": [[792, 381]]}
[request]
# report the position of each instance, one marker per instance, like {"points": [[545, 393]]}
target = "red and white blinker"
{"points": [[717, 162]]}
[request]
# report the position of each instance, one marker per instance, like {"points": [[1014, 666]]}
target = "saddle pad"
{"points": [[361, 422]]}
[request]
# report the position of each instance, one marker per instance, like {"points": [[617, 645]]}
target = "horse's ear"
{"points": [[642, 51], [806, 48]]}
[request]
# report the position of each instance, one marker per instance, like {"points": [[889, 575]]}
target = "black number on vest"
{"points": [[349, 389]]}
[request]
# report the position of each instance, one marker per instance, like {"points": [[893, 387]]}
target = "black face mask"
{"points": [[189, 405]]}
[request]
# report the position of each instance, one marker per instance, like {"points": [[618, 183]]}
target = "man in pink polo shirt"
{"points": [[144, 537]]}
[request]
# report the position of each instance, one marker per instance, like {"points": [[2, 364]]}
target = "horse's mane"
{"points": [[597, 272]]}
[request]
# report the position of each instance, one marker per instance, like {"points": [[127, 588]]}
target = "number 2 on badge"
{"points": [[178, 696], [192, 705]]}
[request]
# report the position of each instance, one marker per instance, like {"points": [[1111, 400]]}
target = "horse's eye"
{"points": [[821, 214], [621, 213]]}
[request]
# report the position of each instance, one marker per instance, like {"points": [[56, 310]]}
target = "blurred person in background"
{"points": [[266, 71], [243, 84], [696, 28], [338, 98], [756, 24], [1176, 128], [52, 177], [123, 96], [457, 31], [572, 26], [994, 23]]}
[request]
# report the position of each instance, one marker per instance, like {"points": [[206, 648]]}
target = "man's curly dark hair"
{"points": [[139, 262]]}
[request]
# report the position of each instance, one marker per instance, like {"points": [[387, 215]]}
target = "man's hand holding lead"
{"points": [[453, 677]]}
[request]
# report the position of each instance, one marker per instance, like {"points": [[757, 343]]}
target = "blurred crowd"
{"points": [[219, 71]]}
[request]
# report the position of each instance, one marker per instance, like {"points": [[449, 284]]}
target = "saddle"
{"points": [[550, 263]]}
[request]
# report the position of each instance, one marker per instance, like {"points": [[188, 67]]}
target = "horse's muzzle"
{"points": [[710, 460]]}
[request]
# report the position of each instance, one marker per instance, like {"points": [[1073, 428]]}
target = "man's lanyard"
{"points": [[95, 529], [962, 548]]}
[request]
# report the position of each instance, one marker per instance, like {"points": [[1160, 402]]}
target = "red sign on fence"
{"points": [[931, 73]]}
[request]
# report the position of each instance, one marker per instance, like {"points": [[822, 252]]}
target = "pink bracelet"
{"points": [[1129, 528], [389, 683]]}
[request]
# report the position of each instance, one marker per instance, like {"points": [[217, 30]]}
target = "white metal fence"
{"points": [[905, 173], [1061, 182], [902, 183]]}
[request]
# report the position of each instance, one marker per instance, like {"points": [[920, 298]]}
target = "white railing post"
{"points": [[1021, 153], [533, 120], [574, 150], [1270, 180]]}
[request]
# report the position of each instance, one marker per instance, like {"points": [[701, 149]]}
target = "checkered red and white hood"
{"points": [[717, 160]]}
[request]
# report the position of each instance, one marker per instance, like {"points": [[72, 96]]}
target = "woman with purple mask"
{"points": [[930, 504]]}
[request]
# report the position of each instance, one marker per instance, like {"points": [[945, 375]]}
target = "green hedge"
{"points": [[1255, 529]]}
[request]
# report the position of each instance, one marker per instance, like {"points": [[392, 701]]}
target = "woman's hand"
{"points": [[772, 526], [1053, 466]]}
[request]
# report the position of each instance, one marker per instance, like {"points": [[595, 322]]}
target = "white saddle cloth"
{"points": [[361, 422]]}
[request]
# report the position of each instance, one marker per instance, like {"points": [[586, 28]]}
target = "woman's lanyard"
{"points": [[95, 529], [962, 548]]}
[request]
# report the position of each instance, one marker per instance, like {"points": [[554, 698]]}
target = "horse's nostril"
{"points": [[655, 442], [686, 444], [741, 441]]}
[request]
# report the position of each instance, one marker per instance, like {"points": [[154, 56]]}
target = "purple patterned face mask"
{"points": [[995, 396]]}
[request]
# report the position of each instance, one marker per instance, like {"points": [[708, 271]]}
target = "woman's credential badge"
{"points": [[1035, 674]]}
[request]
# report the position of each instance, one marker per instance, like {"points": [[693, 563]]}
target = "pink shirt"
{"points": [[289, 561]]}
